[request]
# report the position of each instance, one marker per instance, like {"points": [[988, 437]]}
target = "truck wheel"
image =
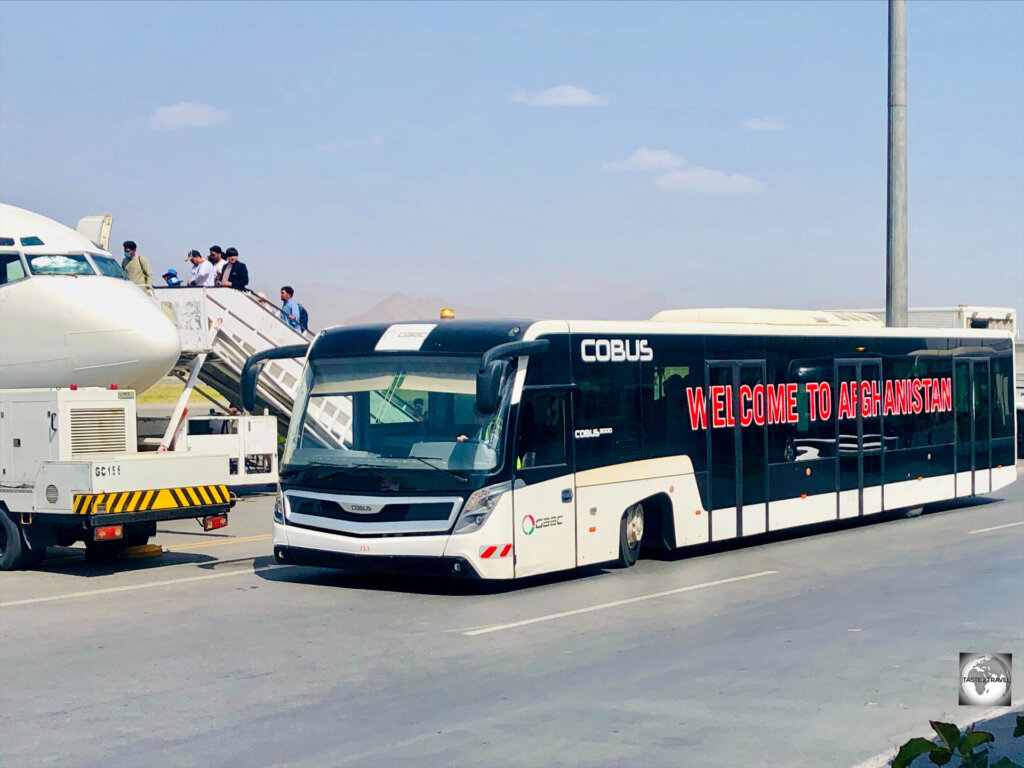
{"points": [[102, 551], [14, 552], [138, 534], [631, 532]]}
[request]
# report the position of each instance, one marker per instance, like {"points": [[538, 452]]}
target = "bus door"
{"points": [[737, 450], [859, 437], [544, 493], [971, 392]]}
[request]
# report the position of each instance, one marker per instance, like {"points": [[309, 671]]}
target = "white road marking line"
{"points": [[145, 585], [615, 603], [998, 527]]}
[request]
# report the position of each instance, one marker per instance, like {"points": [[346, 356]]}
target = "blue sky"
{"points": [[604, 160]]}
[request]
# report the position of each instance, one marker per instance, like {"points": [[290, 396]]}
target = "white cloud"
{"points": [[764, 124], [187, 114], [351, 144], [707, 180], [559, 96], [644, 159]]}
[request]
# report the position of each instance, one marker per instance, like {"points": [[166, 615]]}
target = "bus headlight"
{"points": [[279, 508], [479, 507]]}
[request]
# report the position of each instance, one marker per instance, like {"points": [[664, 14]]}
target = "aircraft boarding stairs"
{"points": [[220, 328]]}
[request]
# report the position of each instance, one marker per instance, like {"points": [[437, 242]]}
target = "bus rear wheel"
{"points": [[631, 534]]}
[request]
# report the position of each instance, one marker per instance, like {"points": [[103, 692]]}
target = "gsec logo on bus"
{"points": [[531, 523]]}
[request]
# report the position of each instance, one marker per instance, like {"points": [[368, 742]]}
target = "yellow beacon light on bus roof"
{"points": [[447, 313]]}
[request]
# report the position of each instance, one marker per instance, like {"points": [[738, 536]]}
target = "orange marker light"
{"points": [[592, 529], [447, 313]]}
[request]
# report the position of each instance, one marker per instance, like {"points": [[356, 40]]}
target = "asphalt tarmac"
{"points": [[825, 650]]}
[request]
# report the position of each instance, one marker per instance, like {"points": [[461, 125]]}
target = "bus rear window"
{"points": [[59, 264]]}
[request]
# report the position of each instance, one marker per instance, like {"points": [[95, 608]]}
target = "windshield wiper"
{"points": [[452, 472], [294, 471]]}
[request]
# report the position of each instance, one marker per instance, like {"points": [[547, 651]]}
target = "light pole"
{"points": [[896, 237]]}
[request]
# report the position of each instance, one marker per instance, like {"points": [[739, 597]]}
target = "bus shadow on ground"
{"points": [[419, 585], [374, 581], [816, 529], [71, 561]]}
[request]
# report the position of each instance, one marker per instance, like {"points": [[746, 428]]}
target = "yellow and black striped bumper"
{"points": [[123, 502]]}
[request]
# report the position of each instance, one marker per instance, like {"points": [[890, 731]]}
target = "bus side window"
{"points": [[541, 431]]}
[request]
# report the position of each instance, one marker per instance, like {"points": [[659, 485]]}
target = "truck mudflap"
{"points": [[163, 503]]}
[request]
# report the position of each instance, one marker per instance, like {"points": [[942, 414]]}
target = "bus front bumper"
{"points": [[406, 565]]}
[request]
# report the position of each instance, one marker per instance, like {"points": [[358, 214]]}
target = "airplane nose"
{"points": [[133, 345], [155, 347]]}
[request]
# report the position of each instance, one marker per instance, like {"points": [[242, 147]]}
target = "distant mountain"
{"points": [[399, 308]]}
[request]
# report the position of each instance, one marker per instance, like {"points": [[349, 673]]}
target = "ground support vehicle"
{"points": [[69, 472], [505, 449]]}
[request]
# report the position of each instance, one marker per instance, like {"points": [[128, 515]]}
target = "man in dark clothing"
{"points": [[235, 275], [216, 258]]}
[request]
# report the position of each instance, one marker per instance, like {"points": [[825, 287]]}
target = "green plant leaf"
{"points": [[911, 750], [948, 732], [941, 755], [974, 739], [1019, 730], [1005, 762]]}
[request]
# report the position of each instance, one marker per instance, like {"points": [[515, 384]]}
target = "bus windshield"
{"points": [[406, 413]]}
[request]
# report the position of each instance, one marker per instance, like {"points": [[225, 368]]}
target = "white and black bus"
{"points": [[504, 449]]}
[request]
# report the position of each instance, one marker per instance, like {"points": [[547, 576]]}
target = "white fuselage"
{"points": [[84, 329]]}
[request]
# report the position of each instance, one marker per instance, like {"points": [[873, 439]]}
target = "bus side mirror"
{"points": [[248, 387], [488, 385], [494, 367], [253, 366]]}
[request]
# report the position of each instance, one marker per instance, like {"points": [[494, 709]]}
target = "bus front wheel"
{"points": [[631, 534]]}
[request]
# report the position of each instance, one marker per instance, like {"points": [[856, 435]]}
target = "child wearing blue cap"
{"points": [[171, 276]]}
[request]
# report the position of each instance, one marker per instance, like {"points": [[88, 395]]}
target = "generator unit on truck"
{"points": [[69, 472]]}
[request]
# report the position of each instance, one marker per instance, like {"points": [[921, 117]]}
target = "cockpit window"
{"points": [[31, 240], [11, 268], [108, 266], [59, 264], [8, 241]]}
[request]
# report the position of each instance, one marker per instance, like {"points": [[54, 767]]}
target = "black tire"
{"points": [[14, 552], [102, 551], [138, 534], [631, 532]]}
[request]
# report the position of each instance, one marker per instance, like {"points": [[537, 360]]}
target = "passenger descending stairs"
{"points": [[221, 327]]}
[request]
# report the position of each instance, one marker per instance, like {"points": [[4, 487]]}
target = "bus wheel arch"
{"points": [[659, 523]]}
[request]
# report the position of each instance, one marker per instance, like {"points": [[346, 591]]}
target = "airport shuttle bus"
{"points": [[505, 449]]}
